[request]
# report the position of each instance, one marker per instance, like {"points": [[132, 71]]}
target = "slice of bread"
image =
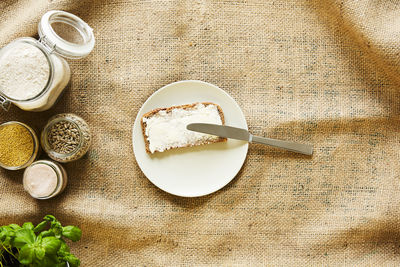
{"points": [[165, 128]]}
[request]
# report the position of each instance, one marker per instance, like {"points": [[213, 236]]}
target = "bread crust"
{"points": [[186, 107]]}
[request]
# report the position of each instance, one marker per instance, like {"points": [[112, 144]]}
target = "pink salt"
{"points": [[40, 180]]}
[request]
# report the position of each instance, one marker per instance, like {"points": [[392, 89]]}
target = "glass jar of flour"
{"points": [[33, 73]]}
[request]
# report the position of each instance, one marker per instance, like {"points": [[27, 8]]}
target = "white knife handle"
{"points": [[291, 146]]}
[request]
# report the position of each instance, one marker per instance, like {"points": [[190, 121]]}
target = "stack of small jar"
{"points": [[33, 75], [65, 138]]}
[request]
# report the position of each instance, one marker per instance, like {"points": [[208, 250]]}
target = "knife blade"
{"points": [[243, 134]]}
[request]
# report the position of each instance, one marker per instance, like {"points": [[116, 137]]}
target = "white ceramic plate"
{"points": [[196, 171]]}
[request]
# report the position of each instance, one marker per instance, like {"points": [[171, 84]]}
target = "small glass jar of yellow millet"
{"points": [[19, 145]]}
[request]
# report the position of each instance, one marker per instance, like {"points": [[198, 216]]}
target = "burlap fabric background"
{"points": [[323, 72]]}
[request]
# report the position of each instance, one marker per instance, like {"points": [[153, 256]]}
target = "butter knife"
{"points": [[243, 134]]}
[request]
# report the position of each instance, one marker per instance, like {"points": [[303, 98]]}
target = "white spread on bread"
{"points": [[166, 130]]}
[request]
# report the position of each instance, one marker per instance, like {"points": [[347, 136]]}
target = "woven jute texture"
{"points": [[320, 72]]}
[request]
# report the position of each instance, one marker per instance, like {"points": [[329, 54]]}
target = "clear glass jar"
{"points": [[35, 149], [45, 179], [61, 34], [65, 144]]}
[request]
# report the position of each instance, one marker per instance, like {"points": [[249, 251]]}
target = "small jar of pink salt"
{"points": [[44, 179]]}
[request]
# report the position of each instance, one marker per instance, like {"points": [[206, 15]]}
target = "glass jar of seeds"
{"points": [[19, 145], [66, 137]]}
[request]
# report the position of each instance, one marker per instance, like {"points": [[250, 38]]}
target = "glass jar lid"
{"points": [[66, 34], [44, 179]]}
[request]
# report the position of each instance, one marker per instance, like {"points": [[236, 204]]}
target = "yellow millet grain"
{"points": [[16, 145]]}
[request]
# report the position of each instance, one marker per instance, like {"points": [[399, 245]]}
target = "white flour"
{"points": [[24, 71]]}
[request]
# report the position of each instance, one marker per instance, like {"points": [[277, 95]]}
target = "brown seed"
{"points": [[63, 137]]}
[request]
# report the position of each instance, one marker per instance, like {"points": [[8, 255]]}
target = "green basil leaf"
{"points": [[39, 239], [55, 225], [46, 233], [14, 226], [40, 227], [64, 248], [23, 236], [39, 253], [26, 254], [49, 218], [3, 235], [72, 232], [6, 236], [56, 228], [51, 244], [6, 233], [6, 242], [72, 260], [49, 261], [28, 225]]}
